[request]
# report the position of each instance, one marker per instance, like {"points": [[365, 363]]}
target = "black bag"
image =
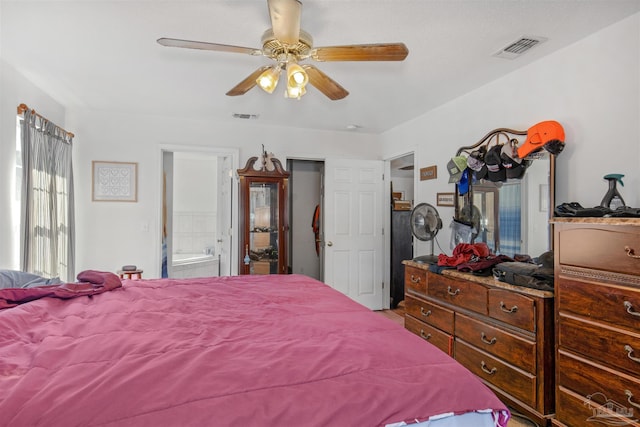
{"points": [[483, 266], [525, 274]]}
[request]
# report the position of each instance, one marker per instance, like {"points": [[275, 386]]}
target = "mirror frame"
{"points": [[509, 134]]}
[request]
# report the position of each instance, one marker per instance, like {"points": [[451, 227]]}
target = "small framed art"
{"points": [[114, 181], [445, 199], [430, 172]]}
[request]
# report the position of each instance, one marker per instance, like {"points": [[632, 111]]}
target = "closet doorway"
{"points": [[346, 248], [305, 219]]}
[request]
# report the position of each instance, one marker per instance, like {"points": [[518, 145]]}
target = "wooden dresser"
{"points": [[501, 333], [597, 285]]}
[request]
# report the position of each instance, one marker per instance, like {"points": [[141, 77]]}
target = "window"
{"points": [[44, 167]]}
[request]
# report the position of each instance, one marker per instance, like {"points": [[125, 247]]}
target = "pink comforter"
{"points": [[231, 351]]}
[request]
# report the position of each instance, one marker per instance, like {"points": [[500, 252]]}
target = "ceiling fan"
{"points": [[288, 45]]}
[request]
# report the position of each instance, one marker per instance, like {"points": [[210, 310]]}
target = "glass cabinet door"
{"points": [[263, 219], [262, 245]]}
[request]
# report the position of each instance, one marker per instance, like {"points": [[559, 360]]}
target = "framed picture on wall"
{"points": [[114, 181], [445, 199]]}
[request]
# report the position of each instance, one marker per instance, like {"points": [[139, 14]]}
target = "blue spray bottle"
{"points": [[613, 199]]}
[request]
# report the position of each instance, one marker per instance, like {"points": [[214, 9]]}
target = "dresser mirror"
{"points": [[512, 217]]}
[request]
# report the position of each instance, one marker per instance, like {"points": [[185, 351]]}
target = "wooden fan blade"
{"points": [[285, 20], [324, 83], [189, 44], [361, 52], [248, 83]]}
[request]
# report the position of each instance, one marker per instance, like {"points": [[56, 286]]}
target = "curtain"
{"points": [[510, 224], [47, 229]]}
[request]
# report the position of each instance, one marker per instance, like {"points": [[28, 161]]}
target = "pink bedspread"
{"points": [[231, 351]]}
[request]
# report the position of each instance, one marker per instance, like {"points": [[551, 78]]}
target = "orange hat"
{"points": [[540, 134]]}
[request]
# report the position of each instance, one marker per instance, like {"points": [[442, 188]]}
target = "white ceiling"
{"points": [[103, 55]]}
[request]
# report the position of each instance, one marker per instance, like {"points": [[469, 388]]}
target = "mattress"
{"points": [[226, 351]]}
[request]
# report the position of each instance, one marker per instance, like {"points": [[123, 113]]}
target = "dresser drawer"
{"points": [[614, 304], [520, 384], [574, 410], [599, 342], [510, 347], [415, 279], [587, 378], [432, 314], [512, 308], [433, 335], [462, 293], [601, 248]]}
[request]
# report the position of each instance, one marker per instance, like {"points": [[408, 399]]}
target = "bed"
{"points": [[280, 350]]}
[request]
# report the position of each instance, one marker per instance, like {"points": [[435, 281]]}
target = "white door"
{"points": [[353, 229], [224, 226]]}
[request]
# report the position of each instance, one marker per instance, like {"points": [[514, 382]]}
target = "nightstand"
{"points": [[130, 274]]}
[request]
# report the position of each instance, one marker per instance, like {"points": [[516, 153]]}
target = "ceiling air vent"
{"points": [[519, 47], [245, 116]]}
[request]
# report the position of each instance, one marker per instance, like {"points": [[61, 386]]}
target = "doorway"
{"points": [[401, 240], [305, 240], [350, 238], [198, 212]]}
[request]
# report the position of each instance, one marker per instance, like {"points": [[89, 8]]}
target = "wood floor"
{"points": [[397, 315]]}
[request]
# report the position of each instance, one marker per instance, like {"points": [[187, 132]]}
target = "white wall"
{"points": [[15, 90], [110, 235], [195, 183], [591, 87]]}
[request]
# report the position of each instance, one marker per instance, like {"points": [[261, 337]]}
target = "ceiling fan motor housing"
{"points": [[278, 51]]}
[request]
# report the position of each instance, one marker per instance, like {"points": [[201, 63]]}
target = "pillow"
{"points": [[21, 279]]}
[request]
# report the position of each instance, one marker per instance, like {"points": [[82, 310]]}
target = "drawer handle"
{"points": [[415, 279], [630, 309], [629, 397], [491, 371], [425, 336], [630, 252], [508, 310], [425, 313], [484, 339], [452, 293], [630, 351]]}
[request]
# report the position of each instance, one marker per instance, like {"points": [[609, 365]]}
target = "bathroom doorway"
{"points": [[198, 213]]}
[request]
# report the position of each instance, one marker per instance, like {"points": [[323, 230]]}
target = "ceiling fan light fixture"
{"points": [[294, 92], [268, 80], [296, 76]]}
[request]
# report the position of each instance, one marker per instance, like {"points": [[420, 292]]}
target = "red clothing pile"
{"points": [[464, 252]]}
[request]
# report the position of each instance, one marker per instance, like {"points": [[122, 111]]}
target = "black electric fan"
{"points": [[425, 224]]}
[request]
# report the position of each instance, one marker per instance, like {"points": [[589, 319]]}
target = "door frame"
{"points": [[387, 216], [319, 160], [234, 153]]}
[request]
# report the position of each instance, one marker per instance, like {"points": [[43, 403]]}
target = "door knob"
{"points": [[329, 243]]}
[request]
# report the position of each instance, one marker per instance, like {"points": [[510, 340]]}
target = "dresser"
{"points": [[597, 285], [504, 334]]}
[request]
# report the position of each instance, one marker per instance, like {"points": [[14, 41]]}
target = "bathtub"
{"points": [[186, 265]]}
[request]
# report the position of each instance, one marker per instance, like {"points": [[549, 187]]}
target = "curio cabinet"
{"points": [[263, 217]]}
